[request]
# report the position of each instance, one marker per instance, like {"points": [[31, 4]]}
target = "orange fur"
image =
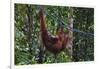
{"points": [[54, 44]]}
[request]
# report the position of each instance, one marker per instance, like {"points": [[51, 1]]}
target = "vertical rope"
{"points": [[70, 25]]}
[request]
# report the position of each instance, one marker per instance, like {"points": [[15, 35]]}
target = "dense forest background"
{"points": [[28, 39]]}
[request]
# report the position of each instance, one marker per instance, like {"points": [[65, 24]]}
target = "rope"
{"points": [[62, 23], [66, 26]]}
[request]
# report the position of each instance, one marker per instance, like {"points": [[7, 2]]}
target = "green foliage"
{"points": [[83, 49], [27, 38]]}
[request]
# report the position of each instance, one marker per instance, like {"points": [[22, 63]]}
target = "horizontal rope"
{"points": [[62, 23]]}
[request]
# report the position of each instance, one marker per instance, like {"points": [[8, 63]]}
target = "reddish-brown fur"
{"points": [[54, 44]]}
